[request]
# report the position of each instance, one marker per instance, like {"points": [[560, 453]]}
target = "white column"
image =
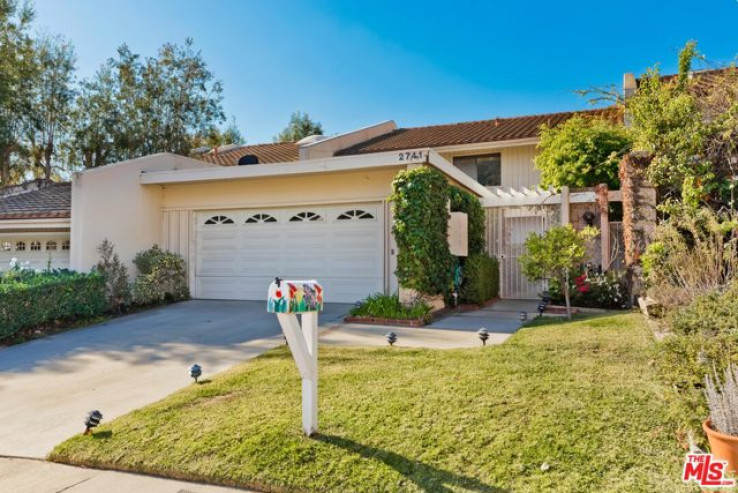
{"points": [[564, 205], [310, 385]]}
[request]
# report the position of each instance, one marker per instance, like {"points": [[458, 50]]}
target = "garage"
{"points": [[238, 252]]}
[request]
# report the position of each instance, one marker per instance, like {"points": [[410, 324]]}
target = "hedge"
{"points": [[481, 279], [42, 298], [463, 201]]}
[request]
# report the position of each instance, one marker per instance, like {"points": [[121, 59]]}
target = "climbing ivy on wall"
{"points": [[420, 226], [463, 201]]}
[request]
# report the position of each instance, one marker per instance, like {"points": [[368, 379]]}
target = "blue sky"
{"points": [[354, 63]]}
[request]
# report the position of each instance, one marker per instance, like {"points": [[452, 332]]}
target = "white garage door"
{"points": [[240, 252], [41, 251]]}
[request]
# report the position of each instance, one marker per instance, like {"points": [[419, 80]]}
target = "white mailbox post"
{"points": [[288, 299]]}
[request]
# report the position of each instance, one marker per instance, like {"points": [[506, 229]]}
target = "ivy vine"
{"points": [[420, 226], [420, 199]]}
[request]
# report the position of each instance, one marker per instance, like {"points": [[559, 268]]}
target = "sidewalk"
{"points": [[35, 476]]}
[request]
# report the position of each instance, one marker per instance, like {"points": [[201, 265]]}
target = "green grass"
{"points": [[582, 397]]}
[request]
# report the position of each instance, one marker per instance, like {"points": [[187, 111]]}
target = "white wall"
{"points": [[518, 169], [109, 202]]}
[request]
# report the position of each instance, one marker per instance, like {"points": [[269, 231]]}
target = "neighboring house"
{"points": [[35, 224], [241, 215]]}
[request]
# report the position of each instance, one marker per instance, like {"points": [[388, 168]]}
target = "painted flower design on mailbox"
{"points": [[295, 297]]}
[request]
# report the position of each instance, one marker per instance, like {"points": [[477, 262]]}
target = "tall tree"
{"points": [[582, 152], [299, 127], [53, 96], [216, 136], [132, 108], [17, 68]]}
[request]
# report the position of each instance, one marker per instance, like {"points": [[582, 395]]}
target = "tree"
{"points": [[216, 136], [17, 68], [582, 152], [555, 254], [134, 107], [53, 96], [299, 127]]}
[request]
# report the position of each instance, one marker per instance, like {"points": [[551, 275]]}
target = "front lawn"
{"points": [[559, 407]]}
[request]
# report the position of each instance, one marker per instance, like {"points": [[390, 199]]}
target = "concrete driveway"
{"points": [[48, 386]]}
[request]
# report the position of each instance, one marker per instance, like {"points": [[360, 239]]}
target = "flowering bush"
{"points": [[593, 290]]}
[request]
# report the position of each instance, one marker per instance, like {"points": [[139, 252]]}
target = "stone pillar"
{"points": [[601, 192], [639, 215]]}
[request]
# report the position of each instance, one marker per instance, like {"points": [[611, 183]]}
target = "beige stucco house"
{"points": [[241, 215]]}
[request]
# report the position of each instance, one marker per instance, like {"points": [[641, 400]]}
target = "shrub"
{"points": [[593, 290], [29, 299], [162, 277], [385, 306], [117, 285], [481, 279], [419, 198], [705, 337], [694, 253]]}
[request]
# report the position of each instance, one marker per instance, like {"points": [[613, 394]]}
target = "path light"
{"points": [[483, 335], [523, 316], [391, 338], [92, 420], [541, 309], [195, 371]]}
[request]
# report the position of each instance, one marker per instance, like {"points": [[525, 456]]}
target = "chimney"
{"points": [[629, 84]]}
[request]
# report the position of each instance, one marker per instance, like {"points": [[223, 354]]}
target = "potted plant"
{"points": [[722, 426]]}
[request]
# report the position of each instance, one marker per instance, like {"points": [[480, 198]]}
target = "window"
{"points": [[51, 246], [7, 246], [20, 246], [486, 169], [219, 220], [355, 214], [66, 245], [35, 246], [261, 219], [305, 216]]}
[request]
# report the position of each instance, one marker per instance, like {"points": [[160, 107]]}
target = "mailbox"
{"points": [[287, 299], [295, 297]]}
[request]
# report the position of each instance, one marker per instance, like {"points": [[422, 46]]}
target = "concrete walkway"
{"points": [[48, 386], [33, 476], [502, 319]]}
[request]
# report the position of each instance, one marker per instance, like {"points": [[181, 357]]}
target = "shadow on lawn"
{"points": [[426, 477]]}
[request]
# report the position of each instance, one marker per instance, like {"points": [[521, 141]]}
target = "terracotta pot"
{"points": [[723, 447]]}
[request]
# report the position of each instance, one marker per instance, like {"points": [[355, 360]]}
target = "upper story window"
{"points": [[486, 169]]}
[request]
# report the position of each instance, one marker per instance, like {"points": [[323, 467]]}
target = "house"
{"points": [[317, 208]]}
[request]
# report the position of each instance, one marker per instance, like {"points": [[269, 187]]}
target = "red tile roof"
{"points": [[495, 130], [36, 200], [278, 152]]}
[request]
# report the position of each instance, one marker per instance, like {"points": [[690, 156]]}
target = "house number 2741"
{"points": [[410, 155]]}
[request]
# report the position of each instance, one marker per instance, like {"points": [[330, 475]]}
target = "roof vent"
{"points": [[248, 159], [311, 139]]}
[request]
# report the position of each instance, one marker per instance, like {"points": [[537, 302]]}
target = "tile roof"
{"points": [[704, 80], [495, 130], [278, 152], [36, 200]]}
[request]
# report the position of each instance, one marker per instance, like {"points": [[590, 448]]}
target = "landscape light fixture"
{"points": [[92, 420], [391, 338], [589, 218], [541, 309], [483, 335], [523, 316], [195, 371]]}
